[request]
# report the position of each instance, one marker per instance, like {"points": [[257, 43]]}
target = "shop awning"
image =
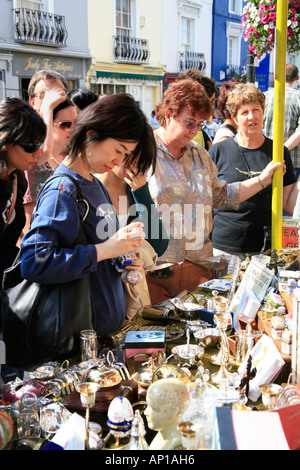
{"points": [[128, 76]]}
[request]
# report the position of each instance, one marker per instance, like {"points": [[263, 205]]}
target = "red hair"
{"points": [[181, 94]]}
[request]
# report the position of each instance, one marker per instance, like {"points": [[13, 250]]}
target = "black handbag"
{"points": [[42, 322]]}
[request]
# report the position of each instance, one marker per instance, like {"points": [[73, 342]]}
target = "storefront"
{"points": [[24, 65], [145, 88]]}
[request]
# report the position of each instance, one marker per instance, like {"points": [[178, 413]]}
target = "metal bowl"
{"points": [[107, 379], [187, 352], [169, 371], [143, 378], [187, 310], [207, 336]]}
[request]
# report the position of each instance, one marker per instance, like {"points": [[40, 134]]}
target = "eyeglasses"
{"points": [[31, 147], [64, 126], [191, 125]]}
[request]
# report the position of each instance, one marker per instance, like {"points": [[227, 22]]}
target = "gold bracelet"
{"points": [[260, 182]]}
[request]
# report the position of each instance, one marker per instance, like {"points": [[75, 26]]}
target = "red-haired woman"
{"points": [[186, 188]]}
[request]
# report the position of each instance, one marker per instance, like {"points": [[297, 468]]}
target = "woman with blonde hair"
{"points": [[241, 159]]}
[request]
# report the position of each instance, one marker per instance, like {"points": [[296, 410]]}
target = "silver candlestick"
{"points": [[87, 392]]}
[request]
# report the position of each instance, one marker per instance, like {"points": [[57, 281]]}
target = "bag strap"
{"points": [[230, 127], [79, 197], [13, 201]]}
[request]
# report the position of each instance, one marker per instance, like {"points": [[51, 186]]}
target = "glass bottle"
{"points": [[28, 423]]}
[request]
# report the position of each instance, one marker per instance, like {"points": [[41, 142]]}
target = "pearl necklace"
{"points": [[55, 161]]}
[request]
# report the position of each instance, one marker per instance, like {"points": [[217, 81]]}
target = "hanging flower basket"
{"points": [[259, 22]]}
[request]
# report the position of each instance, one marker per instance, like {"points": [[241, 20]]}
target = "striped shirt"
{"points": [[291, 118]]}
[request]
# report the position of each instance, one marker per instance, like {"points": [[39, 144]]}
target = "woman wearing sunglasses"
{"points": [[186, 188], [109, 132], [64, 116], [22, 133]]}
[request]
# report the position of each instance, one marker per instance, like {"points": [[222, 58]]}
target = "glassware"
{"points": [[88, 339], [201, 414], [290, 395], [28, 423], [52, 417], [189, 436]]}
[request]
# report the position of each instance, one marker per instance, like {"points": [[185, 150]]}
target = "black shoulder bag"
{"points": [[42, 322], [230, 127]]}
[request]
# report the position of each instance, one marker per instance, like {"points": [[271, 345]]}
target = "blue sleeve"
{"points": [[156, 234], [47, 253]]}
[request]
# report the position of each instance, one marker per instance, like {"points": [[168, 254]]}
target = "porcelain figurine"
{"points": [[167, 399]]}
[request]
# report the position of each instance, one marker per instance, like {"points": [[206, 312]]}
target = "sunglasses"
{"points": [[191, 125], [29, 147], [64, 125]]}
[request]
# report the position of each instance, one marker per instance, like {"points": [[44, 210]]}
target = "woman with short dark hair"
{"points": [[22, 133], [108, 133], [82, 98]]}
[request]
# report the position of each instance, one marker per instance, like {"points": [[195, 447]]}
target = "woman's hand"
{"points": [[135, 181], [125, 240], [53, 97], [253, 185], [266, 175], [137, 264]]}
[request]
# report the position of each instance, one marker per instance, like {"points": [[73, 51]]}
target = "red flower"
{"points": [[264, 19]]}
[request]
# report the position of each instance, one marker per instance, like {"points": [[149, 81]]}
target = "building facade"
{"points": [[229, 50], [125, 44], [186, 37], [39, 34]]}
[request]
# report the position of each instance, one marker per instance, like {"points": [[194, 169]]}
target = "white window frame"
{"points": [[192, 13], [134, 30], [235, 7], [31, 4], [234, 33], [187, 43]]}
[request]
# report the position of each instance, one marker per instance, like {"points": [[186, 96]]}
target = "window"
{"points": [[186, 34], [31, 4], [123, 18], [107, 89], [235, 7], [234, 37]]}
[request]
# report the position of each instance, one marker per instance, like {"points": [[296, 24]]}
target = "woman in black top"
{"points": [[239, 158], [22, 133]]}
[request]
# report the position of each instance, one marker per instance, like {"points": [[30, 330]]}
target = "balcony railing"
{"points": [[236, 72], [132, 50], [39, 27], [191, 60]]}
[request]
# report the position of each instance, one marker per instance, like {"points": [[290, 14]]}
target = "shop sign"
{"points": [[26, 65], [290, 232]]}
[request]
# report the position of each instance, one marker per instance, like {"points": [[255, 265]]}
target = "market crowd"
{"points": [[184, 194]]}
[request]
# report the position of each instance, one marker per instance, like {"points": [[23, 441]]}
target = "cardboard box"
{"points": [[145, 341]]}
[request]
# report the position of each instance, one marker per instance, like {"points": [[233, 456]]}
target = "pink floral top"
{"points": [[36, 177]]}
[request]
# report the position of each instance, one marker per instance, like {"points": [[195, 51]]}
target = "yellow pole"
{"points": [[278, 134]]}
